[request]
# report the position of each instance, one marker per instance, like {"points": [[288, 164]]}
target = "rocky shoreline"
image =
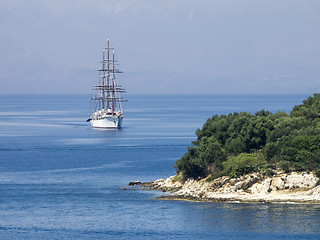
{"points": [[297, 187]]}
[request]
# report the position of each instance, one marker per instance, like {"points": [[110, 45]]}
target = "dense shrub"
{"points": [[242, 164], [242, 142]]}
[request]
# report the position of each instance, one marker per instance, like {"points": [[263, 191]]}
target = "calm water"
{"points": [[60, 179]]}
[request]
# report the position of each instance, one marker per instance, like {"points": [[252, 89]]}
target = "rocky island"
{"points": [[261, 157]]}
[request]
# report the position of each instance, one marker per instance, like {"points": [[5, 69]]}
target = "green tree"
{"points": [[243, 142]]}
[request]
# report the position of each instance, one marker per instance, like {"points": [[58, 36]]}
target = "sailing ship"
{"points": [[107, 111]]}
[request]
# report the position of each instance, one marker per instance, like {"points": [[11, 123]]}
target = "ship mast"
{"points": [[113, 84], [107, 89], [103, 80], [108, 75]]}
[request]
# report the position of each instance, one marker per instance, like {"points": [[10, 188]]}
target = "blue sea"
{"points": [[61, 179]]}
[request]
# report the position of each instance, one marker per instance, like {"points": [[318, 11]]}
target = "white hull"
{"points": [[107, 122]]}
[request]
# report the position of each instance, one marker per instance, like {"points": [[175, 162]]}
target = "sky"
{"points": [[163, 47]]}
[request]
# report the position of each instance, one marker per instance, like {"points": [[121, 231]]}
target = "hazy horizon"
{"points": [[163, 47]]}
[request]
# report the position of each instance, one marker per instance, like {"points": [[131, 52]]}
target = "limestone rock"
{"points": [[297, 187]]}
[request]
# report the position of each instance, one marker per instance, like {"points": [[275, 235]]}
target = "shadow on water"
{"points": [[260, 218]]}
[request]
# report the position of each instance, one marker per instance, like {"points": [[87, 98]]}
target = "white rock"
{"points": [[265, 189]]}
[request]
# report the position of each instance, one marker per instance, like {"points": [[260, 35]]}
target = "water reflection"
{"points": [[259, 218]]}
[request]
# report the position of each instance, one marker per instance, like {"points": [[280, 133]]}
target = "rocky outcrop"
{"points": [[281, 187]]}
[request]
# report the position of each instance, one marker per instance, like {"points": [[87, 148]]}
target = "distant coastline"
{"points": [[297, 187]]}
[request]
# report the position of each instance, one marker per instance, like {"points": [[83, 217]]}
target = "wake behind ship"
{"points": [[107, 111]]}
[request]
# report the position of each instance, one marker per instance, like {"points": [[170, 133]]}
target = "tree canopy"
{"points": [[240, 143]]}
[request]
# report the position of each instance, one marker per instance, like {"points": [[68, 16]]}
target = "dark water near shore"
{"points": [[60, 179]]}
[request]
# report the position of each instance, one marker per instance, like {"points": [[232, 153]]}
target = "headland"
{"points": [[296, 187]]}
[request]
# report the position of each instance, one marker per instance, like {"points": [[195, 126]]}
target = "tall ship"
{"points": [[107, 111]]}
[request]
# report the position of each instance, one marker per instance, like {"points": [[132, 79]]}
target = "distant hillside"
{"points": [[241, 143]]}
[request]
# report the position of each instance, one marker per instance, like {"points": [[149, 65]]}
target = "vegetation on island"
{"points": [[241, 143]]}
